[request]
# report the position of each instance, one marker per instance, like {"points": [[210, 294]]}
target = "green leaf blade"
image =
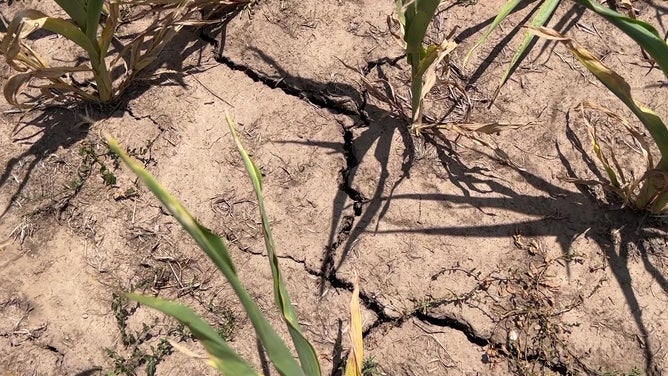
{"points": [[508, 8], [39, 20], [76, 9], [418, 20], [544, 13], [215, 248], [223, 357], [93, 13], [307, 354], [641, 32]]}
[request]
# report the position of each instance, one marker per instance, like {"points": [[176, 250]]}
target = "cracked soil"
{"points": [[468, 264]]}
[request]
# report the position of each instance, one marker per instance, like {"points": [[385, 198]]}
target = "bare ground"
{"points": [[469, 263]]}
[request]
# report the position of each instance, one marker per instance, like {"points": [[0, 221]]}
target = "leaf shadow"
{"points": [[566, 22], [51, 128], [562, 213]]}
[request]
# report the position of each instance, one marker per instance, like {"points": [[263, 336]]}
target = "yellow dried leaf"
{"points": [[356, 356]]}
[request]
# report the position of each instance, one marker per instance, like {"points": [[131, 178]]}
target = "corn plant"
{"points": [[221, 355], [83, 31], [649, 191], [414, 17], [92, 26]]}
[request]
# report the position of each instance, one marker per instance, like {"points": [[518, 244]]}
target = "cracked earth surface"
{"points": [[468, 264]]}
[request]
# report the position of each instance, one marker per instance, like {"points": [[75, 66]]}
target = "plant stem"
{"points": [[103, 81], [416, 86], [653, 194]]}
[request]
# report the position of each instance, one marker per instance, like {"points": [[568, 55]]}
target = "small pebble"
{"points": [[85, 316], [513, 335]]}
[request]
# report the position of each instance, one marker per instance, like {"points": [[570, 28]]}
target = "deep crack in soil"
{"points": [[312, 97], [327, 273], [447, 321], [354, 105], [324, 102]]}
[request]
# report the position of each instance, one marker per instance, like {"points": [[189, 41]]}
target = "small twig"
{"points": [[211, 92]]}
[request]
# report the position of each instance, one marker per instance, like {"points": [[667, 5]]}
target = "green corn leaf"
{"points": [[222, 356], [654, 193], [28, 21], [418, 16], [102, 78], [93, 12], [76, 9], [306, 352], [415, 16], [544, 13], [618, 86], [215, 248], [430, 55], [503, 13], [641, 32]]}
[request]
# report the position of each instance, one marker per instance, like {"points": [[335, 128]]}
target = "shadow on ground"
{"points": [[63, 126], [563, 214], [58, 128], [566, 22]]}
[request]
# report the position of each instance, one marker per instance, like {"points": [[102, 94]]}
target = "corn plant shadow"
{"points": [[566, 22], [474, 29], [660, 11], [619, 233], [623, 235], [338, 361], [56, 126], [565, 214], [381, 134]]}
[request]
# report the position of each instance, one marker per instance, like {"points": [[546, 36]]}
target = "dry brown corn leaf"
{"points": [[14, 85]]}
